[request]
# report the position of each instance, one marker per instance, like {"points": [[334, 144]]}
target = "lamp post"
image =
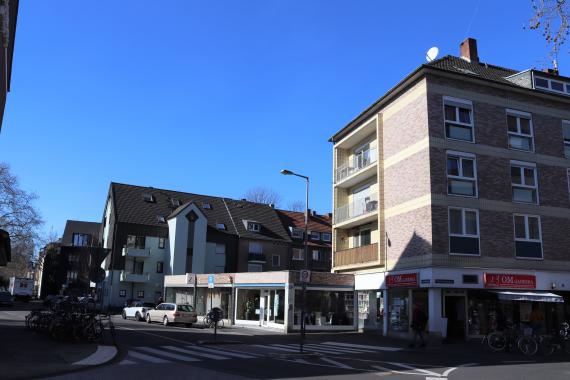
{"points": [[305, 237]]}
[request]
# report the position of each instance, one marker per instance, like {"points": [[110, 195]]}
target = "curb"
{"points": [[104, 354]]}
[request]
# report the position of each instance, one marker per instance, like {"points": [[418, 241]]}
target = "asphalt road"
{"points": [[178, 352]]}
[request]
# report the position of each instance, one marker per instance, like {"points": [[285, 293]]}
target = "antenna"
{"points": [[432, 54]]}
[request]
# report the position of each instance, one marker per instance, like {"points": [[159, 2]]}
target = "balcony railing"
{"points": [[356, 164], [356, 208], [356, 256], [136, 252], [134, 277]]}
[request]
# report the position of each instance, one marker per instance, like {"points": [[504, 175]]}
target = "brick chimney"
{"points": [[468, 50]]}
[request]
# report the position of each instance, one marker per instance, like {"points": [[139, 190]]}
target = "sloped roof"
{"points": [[319, 223], [474, 69], [130, 207], [79, 227]]}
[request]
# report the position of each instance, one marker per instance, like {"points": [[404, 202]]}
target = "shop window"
{"points": [[326, 308], [528, 236], [523, 182], [463, 231], [248, 304], [276, 308], [458, 114], [519, 126], [398, 309], [461, 174]]}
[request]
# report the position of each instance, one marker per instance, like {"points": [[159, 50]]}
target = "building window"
{"points": [[255, 247], [206, 206], [463, 231], [315, 235], [140, 294], [221, 226], [254, 268], [461, 174], [318, 255], [470, 279], [523, 182], [458, 119], [297, 233], [122, 293], [528, 236], [81, 240], [135, 241], [71, 276], [159, 267], [175, 202], [519, 126], [552, 85], [161, 219], [327, 237], [254, 227], [362, 237], [276, 260], [566, 134], [161, 243], [148, 197], [72, 258], [298, 254]]}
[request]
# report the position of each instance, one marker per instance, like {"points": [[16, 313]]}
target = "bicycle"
{"points": [[510, 340], [214, 314], [558, 340]]}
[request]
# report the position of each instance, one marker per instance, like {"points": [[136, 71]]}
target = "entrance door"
{"points": [[264, 304], [455, 314]]}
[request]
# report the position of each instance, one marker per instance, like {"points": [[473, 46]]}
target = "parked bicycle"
{"points": [[216, 314], [558, 340], [512, 339]]}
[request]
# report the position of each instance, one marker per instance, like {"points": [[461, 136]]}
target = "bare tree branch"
{"points": [[296, 206], [552, 17], [263, 195]]}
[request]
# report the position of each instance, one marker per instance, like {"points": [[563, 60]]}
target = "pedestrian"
{"points": [[419, 320], [160, 300]]}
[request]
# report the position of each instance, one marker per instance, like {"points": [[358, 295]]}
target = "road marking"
{"points": [[220, 352], [148, 358], [102, 355], [195, 352], [276, 348], [424, 371], [157, 335], [517, 361], [375, 348], [389, 370], [315, 349], [447, 372], [336, 364], [126, 361], [168, 354], [336, 350]]}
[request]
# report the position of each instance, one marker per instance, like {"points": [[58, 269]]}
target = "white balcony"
{"points": [[136, 252], [360, 211], [357, 169], [134, 277]]}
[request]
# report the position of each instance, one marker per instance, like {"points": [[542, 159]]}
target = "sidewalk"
{"points": [[26, 354]]}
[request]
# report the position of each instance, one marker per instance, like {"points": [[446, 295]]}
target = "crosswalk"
{"points": [[197, 353]]}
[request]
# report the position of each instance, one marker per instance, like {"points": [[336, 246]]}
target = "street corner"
{"points": [[102, 355]]}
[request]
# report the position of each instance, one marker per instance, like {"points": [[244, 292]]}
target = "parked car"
{"points": [[137, 310], [6, 299], [168, 313]]}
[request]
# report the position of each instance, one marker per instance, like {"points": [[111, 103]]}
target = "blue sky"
{"points": [[217, 97]]}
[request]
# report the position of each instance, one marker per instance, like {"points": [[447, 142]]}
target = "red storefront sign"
{"points": [[402, 280], [512, 281]]}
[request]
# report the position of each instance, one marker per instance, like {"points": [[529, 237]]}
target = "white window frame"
{"points": [[520, 115], [521, 165], [565, 85], [301, 256], [163, 241], [315, 235], [526, 233], [253, 226], [297, 233], [566, 143], [327, 237], [273, 260], [463, 228], [461, 177], [457, 103]]}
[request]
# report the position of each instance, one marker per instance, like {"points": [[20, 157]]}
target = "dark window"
{"points": [[122, 293], [540, 82], [470, 279], [255, 227], [463, 231], [161, 243], [221, 226], [81, 240], [458, 119], [175, 202], [326, 236], [315, 235], [159, 267], [528, 236], [206, 206], [135, 241], [140, 294], [161, 219], [557, 86], [148, 197], [275, 260]]}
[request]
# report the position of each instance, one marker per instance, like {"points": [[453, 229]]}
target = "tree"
{"points": [[20, 218], [552, 17], [263, 195], [296, 206]]}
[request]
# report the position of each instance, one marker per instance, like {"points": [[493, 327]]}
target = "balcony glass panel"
{"points": [[356, 208], [359, 161]]}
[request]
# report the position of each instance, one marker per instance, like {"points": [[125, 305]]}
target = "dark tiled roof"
{"points": [[320, 223], [79, 227], [474, 69], [132, 208]]}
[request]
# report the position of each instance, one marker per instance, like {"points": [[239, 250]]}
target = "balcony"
{"points": [[134, 277], [256, 258], [357, 169], [136, 252], [357, 212], [359, 256]]}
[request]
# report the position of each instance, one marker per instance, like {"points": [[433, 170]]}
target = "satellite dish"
{"points": [[432, 54]]}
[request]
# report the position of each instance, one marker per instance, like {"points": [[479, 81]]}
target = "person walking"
{"points": [[419, 320]]}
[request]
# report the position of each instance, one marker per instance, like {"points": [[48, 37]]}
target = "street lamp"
{"points": [[303, 283]]}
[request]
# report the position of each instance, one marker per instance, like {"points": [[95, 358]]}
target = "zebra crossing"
{"points": [[197, 353]]}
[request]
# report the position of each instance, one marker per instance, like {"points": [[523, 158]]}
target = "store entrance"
{"points": [[455, 314]]}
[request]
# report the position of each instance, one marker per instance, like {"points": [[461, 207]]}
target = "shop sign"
{"points": [[211, 281], [191, 279], [402, 280], [513, 281]]}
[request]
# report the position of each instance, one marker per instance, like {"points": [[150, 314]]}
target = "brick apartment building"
{"points": [[452, 192]]}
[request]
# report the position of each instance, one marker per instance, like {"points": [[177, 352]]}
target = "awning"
{"points": [[529, 296]]}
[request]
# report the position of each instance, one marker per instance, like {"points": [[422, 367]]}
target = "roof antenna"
{"points": [[432, 54]]}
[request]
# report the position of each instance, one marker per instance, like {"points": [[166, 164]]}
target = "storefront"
{"points": [[370, 301]]}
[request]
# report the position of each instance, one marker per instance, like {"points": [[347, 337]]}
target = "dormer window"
{"points": [[148, 197], [206, 206], [552, 85], [297, 233], [175, 202], [315, 235], [161, 219], [253, 226], [221, 226]]}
